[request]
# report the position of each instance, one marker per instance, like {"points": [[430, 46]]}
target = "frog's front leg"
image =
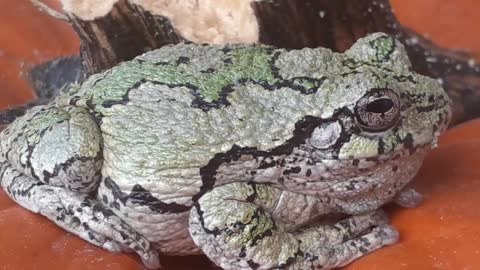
{"points": [[236, 228], [49, 160]]}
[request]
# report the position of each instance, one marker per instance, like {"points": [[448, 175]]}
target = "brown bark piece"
{"points": [[125, 32]]}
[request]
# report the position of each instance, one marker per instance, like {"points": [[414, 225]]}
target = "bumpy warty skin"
{"points": [[319, 132]]}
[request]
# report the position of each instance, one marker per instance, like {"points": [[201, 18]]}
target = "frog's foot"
{"points": [[234, 227], [408, 198], [342, 254], [341, 243], [349, 228], [77, 213]]}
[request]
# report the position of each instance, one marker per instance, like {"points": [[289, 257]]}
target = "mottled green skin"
{"points": [[192, 141], [345, 81]]}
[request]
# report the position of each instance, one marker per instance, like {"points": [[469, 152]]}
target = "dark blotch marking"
{"points": [[260, 236], [290, 260], [242, 253], [296, 169], [143, 197], [295, 84], [60, 214], [204, 105], [222, 101], [91, 236], [311, 258], [115, 205], [403, 78], [64, 167], [209, 70], [251, 198], [408, 143], [215, 231], [355, 162], [182, 60], [267, 162], [125, 98], [372, 159], [381, 146], [428, 108], [18, 190], [253, 264], [274, 69], [363, 250], [303, 130]]}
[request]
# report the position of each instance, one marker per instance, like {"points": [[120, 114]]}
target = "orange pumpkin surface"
{"points": [[442, 233]]}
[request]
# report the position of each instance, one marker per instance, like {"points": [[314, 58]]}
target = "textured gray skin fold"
{"points": [[236, 151]]}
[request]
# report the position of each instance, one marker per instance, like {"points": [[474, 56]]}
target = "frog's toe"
{"points": [[113, 246], [408, 198], [354, 226], [380, 217], [77, 213], [345, 253], [151, 260], [388, 234]]}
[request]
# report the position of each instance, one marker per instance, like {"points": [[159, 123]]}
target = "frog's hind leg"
{"points": [[77, 213], [236, 228], [50, 160]]}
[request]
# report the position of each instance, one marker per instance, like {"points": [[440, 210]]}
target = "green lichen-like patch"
{"points": [[242, 63], [383, 46]]}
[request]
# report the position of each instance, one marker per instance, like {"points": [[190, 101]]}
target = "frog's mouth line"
{"points": [[400, 153], [381, 158]]}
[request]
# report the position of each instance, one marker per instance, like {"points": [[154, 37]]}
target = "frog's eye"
{"points": [[378, 110]]}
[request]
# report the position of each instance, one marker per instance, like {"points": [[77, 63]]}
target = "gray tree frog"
{"points": [[240, 152]]}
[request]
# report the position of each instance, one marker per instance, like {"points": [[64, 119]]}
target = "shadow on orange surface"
{"points": [[28, 37], [443, 233]]}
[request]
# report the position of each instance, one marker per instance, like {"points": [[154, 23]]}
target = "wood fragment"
{"points": [[125, 32], [50, 11]]}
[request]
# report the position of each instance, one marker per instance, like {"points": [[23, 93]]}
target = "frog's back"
{"points": [[165, 114]]}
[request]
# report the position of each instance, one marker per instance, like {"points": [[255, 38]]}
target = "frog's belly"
{"points": [[150, 177], [167, 231], [153, 199], [148, 183]]}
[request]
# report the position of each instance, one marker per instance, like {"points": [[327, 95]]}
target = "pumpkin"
{"points": [[442, 233]]}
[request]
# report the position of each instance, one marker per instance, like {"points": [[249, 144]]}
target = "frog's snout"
{"points": [[447, 111], [444, 104]]}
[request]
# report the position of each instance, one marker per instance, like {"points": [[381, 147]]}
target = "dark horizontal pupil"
{"points": [[380, 105]]}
